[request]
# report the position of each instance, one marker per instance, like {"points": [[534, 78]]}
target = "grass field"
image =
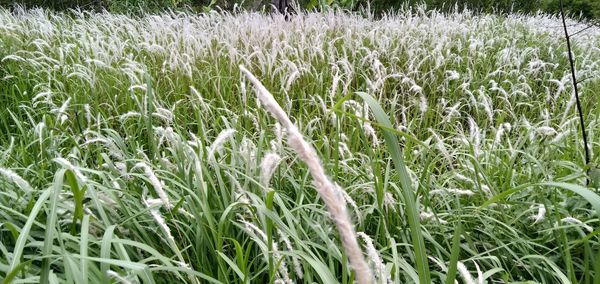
{"points": [[136, 149]]}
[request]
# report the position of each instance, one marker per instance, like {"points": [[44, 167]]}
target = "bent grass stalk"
{"points": [[327, 190]]}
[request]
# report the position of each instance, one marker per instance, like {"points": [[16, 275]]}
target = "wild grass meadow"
{"points": [[239, 147]]}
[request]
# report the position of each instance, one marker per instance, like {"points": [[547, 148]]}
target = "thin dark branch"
{"points": [[561, 26], [585, 29], [574, 80], [582, 30], [585, 79]]}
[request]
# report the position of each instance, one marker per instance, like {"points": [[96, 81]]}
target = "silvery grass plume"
{"points": [[156, 184], [288, 244], [8, 152], [60, 112], [152, 205], [455, 191], [218, 143], [350, 201], [546, 131], [164, 114], [326, 189], [88, 114], [575, 221], [283, 272], [464, 273], [439, 144], [375, 258], [16, 179], [267, 168], [66, 164], [426, 215], [540, 215]]}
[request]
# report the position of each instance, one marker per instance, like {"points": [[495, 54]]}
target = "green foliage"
{"points": [[129, 6], [585, 8], [58, 4], [134, 104]]}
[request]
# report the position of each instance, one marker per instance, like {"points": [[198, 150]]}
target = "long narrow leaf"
{"points": [[25, 231], [50, 225], [412, 209]]}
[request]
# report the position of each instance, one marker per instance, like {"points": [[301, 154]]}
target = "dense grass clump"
{"points": [[133, 149]]}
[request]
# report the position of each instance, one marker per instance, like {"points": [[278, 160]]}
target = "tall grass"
{"points": [[132, 150]]}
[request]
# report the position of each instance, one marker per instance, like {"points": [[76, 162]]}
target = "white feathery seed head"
{"points": [[540, 214], [159, 219], [217, 145], [16, 179], [164, 114], [66, 164], [452, 75], [88, 113], [156, 184], [428, 215], [546, 131], [452, 191], [327, 190], [130, 114], [267, 168], [282, 271], [464, 273], [422, 104], [370, 132], [375, 258], [297, 265], [575, 221]]}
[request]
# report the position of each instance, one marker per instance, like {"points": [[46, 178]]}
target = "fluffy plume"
{"points": [[288, 245], [267, 167], [575, 221], [219, 142], [15, 178], [540, 214], [464, 273], [156, 184], [451, 191], [66, 164], [375, 258], [283, 271], [327, 190]]}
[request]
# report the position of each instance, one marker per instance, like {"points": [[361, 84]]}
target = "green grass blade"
{"points": [[590, 196], [117, 262], [452, 266], [148, 116], [587, 194], [105, 248], [412, 210], [13, 273], [320, 268], [597, 268], [50, 226], [232, 265], [83, 248], [20, 244], [557, 270]]}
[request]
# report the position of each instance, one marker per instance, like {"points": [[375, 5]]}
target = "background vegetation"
{"points": [[585, 8], [132, 150]]}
